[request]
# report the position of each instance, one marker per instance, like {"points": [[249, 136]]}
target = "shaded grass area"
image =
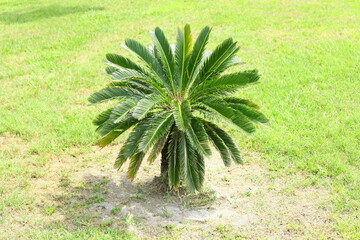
{"points": [[29, 15], [308, 53]]}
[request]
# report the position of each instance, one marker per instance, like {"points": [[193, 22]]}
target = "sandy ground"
{"points": [[240, 202]]}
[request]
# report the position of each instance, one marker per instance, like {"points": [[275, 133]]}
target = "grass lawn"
{"points": [[51, 52]]}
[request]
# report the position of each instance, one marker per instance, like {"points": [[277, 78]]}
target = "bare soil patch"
{"points": [[242, 201]]}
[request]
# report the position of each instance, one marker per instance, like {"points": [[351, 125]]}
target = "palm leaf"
{"points": [[109, 125], [195, 57], [188, 168], [182, 114], [134, 165], [162, 47], [125, 74], [102, 117], [156, 150], [130, 146], [157, 128], [111, 131], [198, 137], [190, 163], [249, 112], [135, 85], [175, 158], [144, 54], [123, 108], [226, 83], [227, 114], [219, 145], [145, 105], [227, 140], [108, 138], [119, 62], [216, 63], [241, 101], [182, 50], [109, 93], [200, 164]]}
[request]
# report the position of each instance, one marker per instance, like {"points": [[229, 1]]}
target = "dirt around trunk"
{"points": [[240, 202]]}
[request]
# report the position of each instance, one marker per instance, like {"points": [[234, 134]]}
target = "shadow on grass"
{"points": [[30, 15]]}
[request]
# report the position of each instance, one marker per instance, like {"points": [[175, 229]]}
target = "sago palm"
{"points": [[172, 102]]}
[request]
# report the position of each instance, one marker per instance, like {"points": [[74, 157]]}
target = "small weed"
{"points": [[115, 210], [64, 176], [106, 224], [138, 197], [167, 213], [64, 184], [294, 227], [64, 179], [226, 179], [97, 186], [247, 193], [49, 210], [104, 181], [95, 199]]}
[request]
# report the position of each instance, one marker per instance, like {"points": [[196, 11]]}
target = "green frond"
{"points": [[251, 113], [145, 105], [110, 131], [192, 164], [175, 159], [227, 140], [135, 85], [144, 54], [216, 63], [130, 147], [182, 114], [229, 115], [226, 83], [109, 93], [134, 165], [198, 137], [220, 59], [157, 148], [108, 138], [200, 164], [200, 147], [110, 126], [157, 128], [241, 101], [195, 56], [109, 70], [123, 108], [102, 117], [166, 57], [220, 146], [120, 62], [182, 50], [125, 74]]}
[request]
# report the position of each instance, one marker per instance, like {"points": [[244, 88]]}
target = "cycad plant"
{"points": [[172, 102]]}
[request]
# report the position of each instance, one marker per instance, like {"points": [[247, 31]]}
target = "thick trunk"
{"points": [[165, 161]]}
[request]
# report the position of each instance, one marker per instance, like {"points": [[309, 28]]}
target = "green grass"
{"points": [[308, 53]]}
